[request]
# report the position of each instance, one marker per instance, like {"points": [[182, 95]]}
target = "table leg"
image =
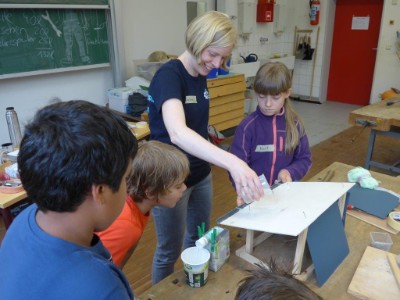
{"points": [[7, 216], [246, 251], [298, 257], [369, 162], [249, 241], [342, 203], [371, 144], [10, 213]]}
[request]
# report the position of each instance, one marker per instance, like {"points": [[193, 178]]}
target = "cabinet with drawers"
{"points": [[227, 95]]}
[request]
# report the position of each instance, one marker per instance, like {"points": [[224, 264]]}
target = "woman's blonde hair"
{"points": [[275, 79], [212, 29], [155, 168]]}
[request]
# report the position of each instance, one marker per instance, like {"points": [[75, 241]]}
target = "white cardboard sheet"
{"points": [[290, 208]]}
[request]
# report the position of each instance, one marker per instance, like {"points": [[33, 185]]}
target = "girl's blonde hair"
{"points": [[212, 29], [274, 79], [156, 168]]}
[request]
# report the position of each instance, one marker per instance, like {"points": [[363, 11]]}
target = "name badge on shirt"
{"points": [[265, 148], [190, 99]]}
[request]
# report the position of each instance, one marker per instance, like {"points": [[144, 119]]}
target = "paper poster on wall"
{"points": [[360, 23]]}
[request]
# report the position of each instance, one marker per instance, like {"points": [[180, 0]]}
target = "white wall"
{"points": [[27, 94], [151, 25]]}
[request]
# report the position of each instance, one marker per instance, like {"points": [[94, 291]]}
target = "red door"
{"points": [[354, 51]]}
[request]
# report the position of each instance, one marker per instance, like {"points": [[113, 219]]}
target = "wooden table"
{"points": [[383, 119], [10, 202], [222, 284], [140, 133]]}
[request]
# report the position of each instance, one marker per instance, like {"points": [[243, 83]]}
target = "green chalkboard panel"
{"points": [[44, 39], [83, 2]]}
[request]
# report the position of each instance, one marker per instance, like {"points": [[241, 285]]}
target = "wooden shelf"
{"points": [[227, 95]]}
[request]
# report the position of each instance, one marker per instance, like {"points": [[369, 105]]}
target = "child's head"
{"points": [[272, 283], [69, 147], [158, 172], [272, 85], [210, 30]]}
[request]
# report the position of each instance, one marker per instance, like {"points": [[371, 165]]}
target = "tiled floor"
{"points": [[323, 121]]}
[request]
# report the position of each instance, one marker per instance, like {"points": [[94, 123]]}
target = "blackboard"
{"points": [[67, 2], [47, 39]]}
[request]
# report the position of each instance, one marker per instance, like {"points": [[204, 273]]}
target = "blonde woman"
{"points": [[178, 115]]}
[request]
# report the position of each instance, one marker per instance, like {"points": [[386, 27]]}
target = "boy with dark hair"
{"points": [[269, 282], [73, 162]]}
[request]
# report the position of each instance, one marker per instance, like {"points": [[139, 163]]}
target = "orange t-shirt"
{"points": [[125, 232]]}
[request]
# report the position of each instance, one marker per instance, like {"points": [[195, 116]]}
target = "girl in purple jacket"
{"points": [[272, 140]]}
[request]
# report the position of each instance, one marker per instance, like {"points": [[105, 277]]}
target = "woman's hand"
{"points": [[247, 183]]}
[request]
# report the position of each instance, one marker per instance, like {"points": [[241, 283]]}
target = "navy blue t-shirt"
{"points": [[172, 81]]}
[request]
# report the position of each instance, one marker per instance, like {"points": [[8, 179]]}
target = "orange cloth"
{"points": [[125, 232]]}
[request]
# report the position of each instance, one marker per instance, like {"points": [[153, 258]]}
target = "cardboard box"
{"points": [[118, 99], [221, 250]]}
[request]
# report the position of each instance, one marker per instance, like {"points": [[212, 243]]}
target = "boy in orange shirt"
{"points": [[158, 174]]}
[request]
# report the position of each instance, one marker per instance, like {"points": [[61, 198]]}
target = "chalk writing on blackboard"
{"points": [[41, 39]]}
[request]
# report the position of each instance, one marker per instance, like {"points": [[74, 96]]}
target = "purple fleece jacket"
{"points": [[260, 141]]}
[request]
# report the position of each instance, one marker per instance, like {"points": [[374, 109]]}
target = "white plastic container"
{"points": [[148, 69], [136, 82], [220, 251], [118, 99], [381, 240]]}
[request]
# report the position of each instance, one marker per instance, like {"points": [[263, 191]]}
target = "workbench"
{"points": [[223, 283], [384, 119]]}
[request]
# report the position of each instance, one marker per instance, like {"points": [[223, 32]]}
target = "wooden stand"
{"points": [[246, 251]]}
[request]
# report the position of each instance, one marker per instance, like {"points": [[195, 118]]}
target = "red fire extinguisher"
{"points": [[314, 14]]}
